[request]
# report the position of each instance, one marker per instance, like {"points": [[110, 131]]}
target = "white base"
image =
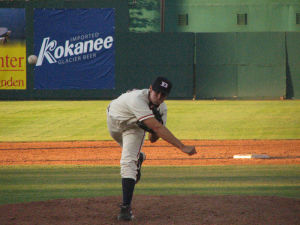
{"points": [[251, 156]]}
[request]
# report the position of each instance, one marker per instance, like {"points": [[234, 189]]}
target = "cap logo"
{"points": [[164, 84]]}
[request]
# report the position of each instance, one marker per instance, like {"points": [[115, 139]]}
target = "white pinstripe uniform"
{"points": [[122, 115]]}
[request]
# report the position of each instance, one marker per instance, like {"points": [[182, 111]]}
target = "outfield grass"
{"points": [[53, 120], [39, 183], [86, 120]]}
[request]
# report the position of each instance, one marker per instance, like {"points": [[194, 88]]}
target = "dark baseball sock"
{"points": [[127, 187]]}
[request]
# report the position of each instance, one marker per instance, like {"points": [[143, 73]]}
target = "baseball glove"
{"points": [[157, 116]]}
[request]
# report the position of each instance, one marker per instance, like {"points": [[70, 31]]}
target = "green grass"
{"points": [[53, 120], [39, 183], [235, 119], [86, 120]]}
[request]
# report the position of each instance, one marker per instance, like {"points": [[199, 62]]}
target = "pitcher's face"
{"points": [[156, 97]]}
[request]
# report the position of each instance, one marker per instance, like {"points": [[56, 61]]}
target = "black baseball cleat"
{"points": [[125, 213], [141, 159]]}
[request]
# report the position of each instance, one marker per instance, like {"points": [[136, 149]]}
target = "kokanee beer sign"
{"points": [[75, 48], [54, 53]]}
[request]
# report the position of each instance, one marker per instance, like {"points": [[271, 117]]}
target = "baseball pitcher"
{"points": [[129, 117]]}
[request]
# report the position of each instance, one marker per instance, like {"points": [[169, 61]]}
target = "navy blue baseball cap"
{"points": [[163, 85]]}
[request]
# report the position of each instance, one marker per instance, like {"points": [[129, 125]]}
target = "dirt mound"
{"points": [[157, 210]]}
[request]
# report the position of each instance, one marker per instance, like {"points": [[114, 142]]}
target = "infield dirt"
{"points": [[209, 152], [154, 209]]}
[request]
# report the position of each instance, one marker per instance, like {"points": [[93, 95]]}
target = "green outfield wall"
{"points": [[240, 65], [214, 15], [293, 65], [144, 56], [222, 16], [202, 65]]}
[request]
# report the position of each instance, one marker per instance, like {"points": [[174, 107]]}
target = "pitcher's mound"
{"points": [[157, 210]]}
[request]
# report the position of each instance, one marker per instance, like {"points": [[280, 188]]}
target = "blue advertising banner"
{"points": [[74, 48]]}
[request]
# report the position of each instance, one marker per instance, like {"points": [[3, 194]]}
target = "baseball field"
{"points": [[58, 165]]}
